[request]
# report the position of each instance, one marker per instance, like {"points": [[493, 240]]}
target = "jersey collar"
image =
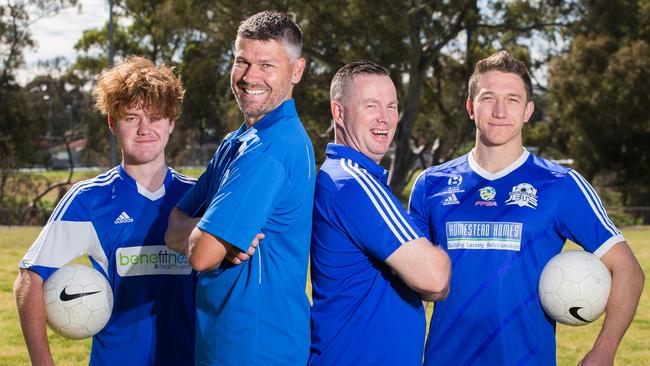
{"points": [[503, 172], [160, 192], [336, 151]]}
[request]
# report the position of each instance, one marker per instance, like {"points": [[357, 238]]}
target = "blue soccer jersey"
{"points": [[362, 314], [261, 180], [120, 225], [500, 230]]}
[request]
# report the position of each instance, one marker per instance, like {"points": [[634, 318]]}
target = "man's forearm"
{"points": [[179, 227], [28, 290], [627, 285]]}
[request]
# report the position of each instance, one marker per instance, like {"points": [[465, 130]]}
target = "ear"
{"points": [[172, 124], [298, 69], [530, 108], [470, 108], [111, 125], [337, 112]]}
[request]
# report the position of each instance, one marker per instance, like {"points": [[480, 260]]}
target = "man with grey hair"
{"points": [[370, 264], [252, 308]]}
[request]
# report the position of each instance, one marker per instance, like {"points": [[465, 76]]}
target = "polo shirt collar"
{"points": [[337, 151], [285, 110]]}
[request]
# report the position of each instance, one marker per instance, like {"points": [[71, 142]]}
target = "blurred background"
{"points": [[590, 61]]}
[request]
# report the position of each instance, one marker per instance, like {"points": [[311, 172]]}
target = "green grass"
{"points": [[572, 342]]}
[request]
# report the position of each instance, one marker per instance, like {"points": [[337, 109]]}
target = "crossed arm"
{"points": [[204, 251], [627, 285], [423, 267]]}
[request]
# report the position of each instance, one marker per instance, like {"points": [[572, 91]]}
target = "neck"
{"points": [[150, 175], [496, 158]]}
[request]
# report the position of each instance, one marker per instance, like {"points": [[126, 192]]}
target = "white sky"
{"points": [[56, 35]]}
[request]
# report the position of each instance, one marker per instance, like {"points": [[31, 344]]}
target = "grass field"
{"points": [[573, 343]]}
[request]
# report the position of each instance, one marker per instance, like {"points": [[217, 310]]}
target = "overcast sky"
{"points": [[55, 36]]}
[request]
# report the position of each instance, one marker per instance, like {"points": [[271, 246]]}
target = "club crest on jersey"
{"points": [[523, 194], [451, 200], [453, 184]]}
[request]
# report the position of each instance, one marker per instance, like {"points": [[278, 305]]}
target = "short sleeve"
{"points": [[372, 217], [417, 206], [68, 234], [248, 194], [194, 201], [582, 217]]}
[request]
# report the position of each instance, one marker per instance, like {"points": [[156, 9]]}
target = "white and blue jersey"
{"points": [[260, 180], [362, 314], [121, 226], [499, 230]]}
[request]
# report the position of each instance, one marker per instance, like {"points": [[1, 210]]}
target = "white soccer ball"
{"points": [[78, 301], [574, 287]]}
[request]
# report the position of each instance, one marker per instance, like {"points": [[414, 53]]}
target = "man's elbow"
{"points": [[202, 264], [173, 242], [437, 286]]}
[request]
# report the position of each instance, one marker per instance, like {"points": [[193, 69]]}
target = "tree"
{"points": [[20, 125], [598, 93], [429, 46]]}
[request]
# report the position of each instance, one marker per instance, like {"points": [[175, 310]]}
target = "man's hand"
{"points": [[594, 358], [236, 256]]}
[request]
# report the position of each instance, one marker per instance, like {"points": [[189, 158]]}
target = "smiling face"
{"points": [[366, 115], [262, 76], [500, 109], [142, 136]]}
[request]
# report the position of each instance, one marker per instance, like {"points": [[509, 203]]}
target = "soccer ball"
{"points": [[574, 287], [78, 301]]}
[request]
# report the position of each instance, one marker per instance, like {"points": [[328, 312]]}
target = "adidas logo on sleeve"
{"points": [[123, 218]]}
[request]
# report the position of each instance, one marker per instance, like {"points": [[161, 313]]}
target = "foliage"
{"points": [[430, 48], [598, 91]]}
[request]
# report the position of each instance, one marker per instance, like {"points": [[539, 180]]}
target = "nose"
{"points": [[143, 125], [500, 110], [251, 74], [384, 115]]}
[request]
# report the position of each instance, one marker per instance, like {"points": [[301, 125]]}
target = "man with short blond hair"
{"points": [[370, 265]]}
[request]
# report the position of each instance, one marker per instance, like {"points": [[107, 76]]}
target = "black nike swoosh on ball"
{"points": [[574, 311], [64, 296]]}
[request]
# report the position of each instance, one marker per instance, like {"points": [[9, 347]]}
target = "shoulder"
{"points": [[550, 167], [182, 178], [444, 171], [351, 183], [85, 192]]}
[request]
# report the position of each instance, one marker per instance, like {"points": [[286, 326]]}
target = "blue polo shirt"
{"points": [[363, 314], [261, 179]]}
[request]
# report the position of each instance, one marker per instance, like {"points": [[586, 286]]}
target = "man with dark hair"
{"points": [[119, 215], [252, 309], [502, 213], [370, 264]]}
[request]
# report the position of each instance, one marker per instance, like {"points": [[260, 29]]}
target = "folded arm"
{"points": [[424, 267]]}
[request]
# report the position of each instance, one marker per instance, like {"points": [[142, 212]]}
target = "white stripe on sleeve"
{"points": [[394, 213], [602, 217], [380, 208]]}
